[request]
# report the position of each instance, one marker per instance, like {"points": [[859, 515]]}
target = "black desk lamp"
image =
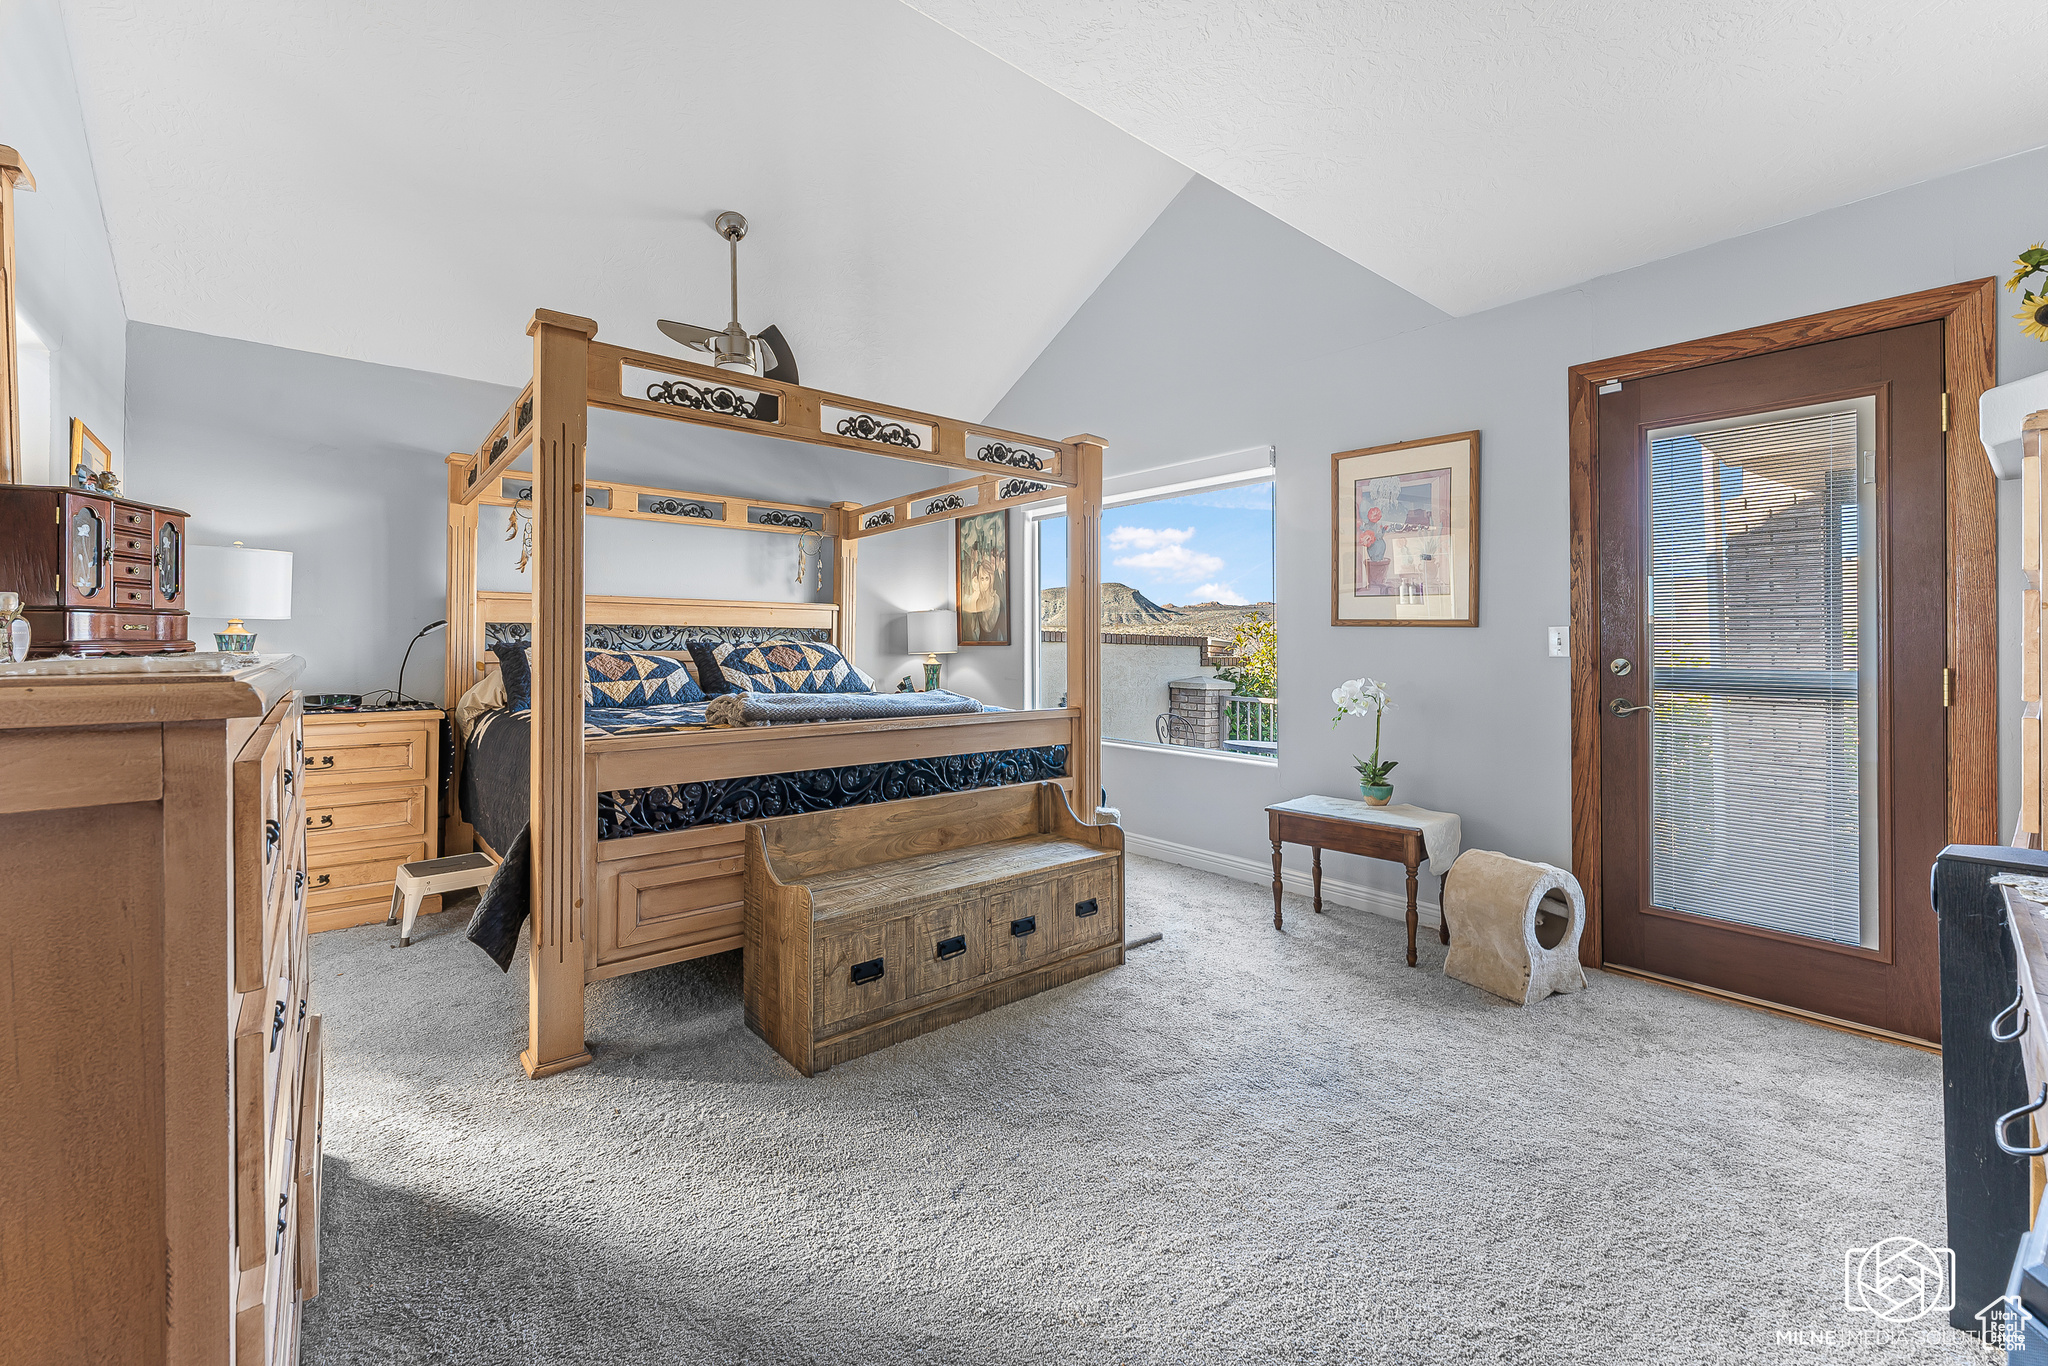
{"points": [[398, 695]]}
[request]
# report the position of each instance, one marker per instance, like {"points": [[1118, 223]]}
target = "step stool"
{"points": [[431, 877]]}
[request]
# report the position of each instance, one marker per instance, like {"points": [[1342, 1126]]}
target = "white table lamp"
{"points": [[236, 582], [933, 634]]}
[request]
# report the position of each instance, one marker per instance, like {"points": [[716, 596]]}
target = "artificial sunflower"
{"points": [[2033, 318], [2032, 261]]}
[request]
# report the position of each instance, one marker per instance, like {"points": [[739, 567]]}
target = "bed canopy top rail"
{"points": [[967, 498], [642, 502]]}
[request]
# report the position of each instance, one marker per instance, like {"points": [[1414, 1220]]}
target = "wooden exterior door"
{"points": [[1773, 746]]}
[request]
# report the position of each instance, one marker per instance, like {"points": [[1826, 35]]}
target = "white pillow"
{"points": [[487, 695]]}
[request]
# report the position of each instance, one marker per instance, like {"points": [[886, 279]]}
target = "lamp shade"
{"points": [[934, 633], [232, 581]]}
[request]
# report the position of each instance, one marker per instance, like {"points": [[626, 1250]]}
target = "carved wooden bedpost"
{"points": [[561, 814], [464, 641], [846, 578], [13, 175], [1084, 621]]}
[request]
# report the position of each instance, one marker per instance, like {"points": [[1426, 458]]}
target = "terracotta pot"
{"points": [[1376, 796]]}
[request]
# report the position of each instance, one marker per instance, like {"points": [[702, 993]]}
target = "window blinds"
{"points": [[1759, 683]]}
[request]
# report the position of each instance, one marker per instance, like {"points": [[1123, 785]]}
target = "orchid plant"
{"points": [[1362, 697]]}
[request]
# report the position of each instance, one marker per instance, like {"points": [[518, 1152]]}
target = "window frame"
{"points": [[1154, 493]]}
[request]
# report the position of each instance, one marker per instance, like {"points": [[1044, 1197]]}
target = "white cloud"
{"points": [[1219, 592], [1173, 562], [1148, 538]]}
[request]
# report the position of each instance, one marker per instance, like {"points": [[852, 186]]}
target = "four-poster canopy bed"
{"points": [[605, 901]]}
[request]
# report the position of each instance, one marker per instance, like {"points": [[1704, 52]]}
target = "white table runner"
{"points": [[1441, 830]]}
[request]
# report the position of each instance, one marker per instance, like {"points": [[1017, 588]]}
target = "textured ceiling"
{"points": [[1489, 150], [406, 183]]}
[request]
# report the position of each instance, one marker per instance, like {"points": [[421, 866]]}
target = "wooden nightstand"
{"points": [[373, 785]]}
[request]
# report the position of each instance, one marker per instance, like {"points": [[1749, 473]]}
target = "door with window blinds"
{"points": [[1760, 679], [1772, 579]]}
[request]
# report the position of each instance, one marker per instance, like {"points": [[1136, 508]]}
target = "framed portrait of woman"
{"points": [[981, 578], [1405, 533]]}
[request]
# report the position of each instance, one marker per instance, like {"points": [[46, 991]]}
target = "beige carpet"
{"points": [[1240, 1147]]}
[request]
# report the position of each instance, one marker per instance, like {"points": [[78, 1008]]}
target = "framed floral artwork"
{"points": [[1405, 533]]}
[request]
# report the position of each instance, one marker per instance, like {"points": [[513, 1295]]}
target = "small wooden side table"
{"points": [[1346, 826]]}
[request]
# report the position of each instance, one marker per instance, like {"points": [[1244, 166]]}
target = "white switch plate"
{"points": [[1560, 642]]}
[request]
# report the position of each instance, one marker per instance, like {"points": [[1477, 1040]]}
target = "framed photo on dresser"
{"points": [[1404, 533]]}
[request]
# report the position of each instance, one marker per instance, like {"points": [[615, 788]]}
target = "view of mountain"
{"points": [[1126, 611]]}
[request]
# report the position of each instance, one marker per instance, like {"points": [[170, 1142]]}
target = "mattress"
{"points": [[496, 773]]}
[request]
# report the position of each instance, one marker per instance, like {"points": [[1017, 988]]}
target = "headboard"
{"points": [[664, 621]]}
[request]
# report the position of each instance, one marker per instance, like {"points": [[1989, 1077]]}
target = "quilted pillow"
{"points": [[786, 666], [517, 670], [620, 678]]}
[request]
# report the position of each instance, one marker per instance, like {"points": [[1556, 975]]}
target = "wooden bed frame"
{"points": [[606, 908]]}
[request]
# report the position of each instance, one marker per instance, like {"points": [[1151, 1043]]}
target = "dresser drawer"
{"points": [[368, 752], [132, 544], [264, 827], [310, 1144], [858, 975], [343, 816], [109, 628], [127, 518], [1084, 909], [341, 877], [130, 573], [948, 948]]}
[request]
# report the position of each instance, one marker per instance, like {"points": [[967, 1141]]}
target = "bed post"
{"points": [[457, 836], [557, 814], [1084, 621], [845, 579]]}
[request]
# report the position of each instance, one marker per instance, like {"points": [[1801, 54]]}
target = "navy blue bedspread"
{"points": [[494, 800]]}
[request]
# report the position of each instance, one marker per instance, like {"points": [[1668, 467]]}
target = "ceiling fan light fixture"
{"points": [[732, 347]]}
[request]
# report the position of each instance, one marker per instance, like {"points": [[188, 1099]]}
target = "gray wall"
{"points": [[341, 463], [1224, 328], [68, 289]]}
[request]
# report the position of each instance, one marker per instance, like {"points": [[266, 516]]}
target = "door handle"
{"points": [[1623, 707]]}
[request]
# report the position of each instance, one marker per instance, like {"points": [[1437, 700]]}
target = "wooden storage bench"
{"points": [[878, 923]]}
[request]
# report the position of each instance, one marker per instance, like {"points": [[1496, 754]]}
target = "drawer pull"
{"points": [[302, 880], [287, 780], [276, 1025], [271, 830], [326, 761], [320, 881], [1084, 909], [1998, 1129], [952, 948], [282, 1201], [320, 824], [2018, 1004], [126, 627], [870, 971], [1024, 926], [302, 1010]]}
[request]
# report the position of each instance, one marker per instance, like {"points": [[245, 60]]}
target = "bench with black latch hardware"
{"points": [[874, 924]]}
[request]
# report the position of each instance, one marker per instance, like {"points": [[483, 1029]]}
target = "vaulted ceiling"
{"points": [[1488, 150], [406, 183]]}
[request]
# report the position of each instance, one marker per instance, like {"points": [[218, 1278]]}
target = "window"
{"points": [[1189, 650], [32, 377]]}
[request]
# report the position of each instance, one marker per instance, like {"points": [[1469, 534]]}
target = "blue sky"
{"points": [[1200, 547]]}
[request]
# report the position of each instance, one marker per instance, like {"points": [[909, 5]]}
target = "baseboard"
{"points": [[1393, 905]]}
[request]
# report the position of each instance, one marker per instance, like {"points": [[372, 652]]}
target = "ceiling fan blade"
{"points": [[689, 334], [784, 359]]}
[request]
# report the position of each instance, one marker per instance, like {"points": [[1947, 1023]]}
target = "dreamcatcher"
{"points": [[809, 543], [520, 525]]}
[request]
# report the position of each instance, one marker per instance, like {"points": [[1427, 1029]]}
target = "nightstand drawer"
{"points": [[342, 876], [337, 817], [368, 752]]}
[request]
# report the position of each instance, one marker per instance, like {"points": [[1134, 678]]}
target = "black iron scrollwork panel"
{"points": [[886, 517], [777, 517], [709, 398], [597, 636], [951, 502], [862, 427], [996, 453], [676, 507], [1017, 488], [498, 448], [525, 415], [524, 494]]}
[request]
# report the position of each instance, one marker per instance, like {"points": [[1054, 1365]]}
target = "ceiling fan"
{"points": [[763, 353]]}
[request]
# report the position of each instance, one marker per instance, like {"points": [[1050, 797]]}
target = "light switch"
{"points": [[1560, 642]]}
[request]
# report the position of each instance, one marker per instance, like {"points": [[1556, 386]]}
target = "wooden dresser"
{"points": [[97, 574], [875, 924], [160, 1114], [373, 787]]}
